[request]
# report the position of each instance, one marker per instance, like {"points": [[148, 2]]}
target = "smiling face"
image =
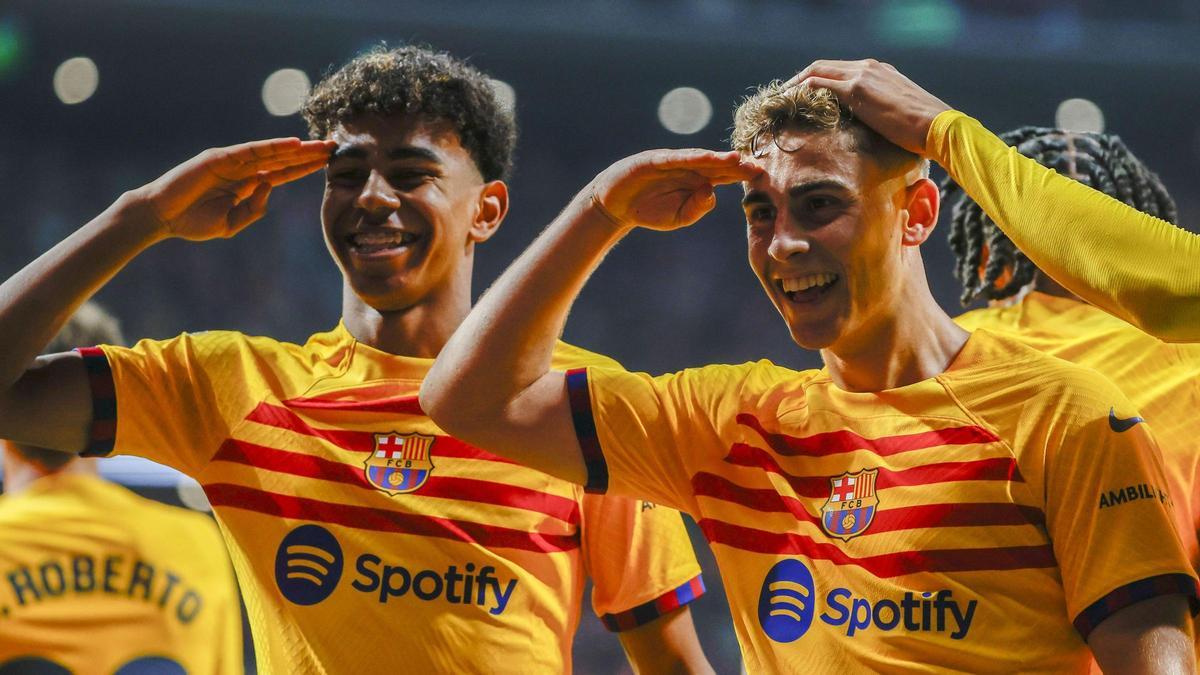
{"points": [[404, 206], [824, 227]]}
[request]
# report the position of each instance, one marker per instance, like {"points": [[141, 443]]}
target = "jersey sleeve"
{"points": [[640, 559], [1133, 265], [1108, 509], [160, 399], [640, 434]]}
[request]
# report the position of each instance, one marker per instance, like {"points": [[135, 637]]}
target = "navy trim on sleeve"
{"points": [[103, 434], [660, 606], [1135, 592], [585, 431]]}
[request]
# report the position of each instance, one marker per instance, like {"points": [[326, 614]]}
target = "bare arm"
{"points": [[45, 401], [492, 384], [667, 645], [1151, 637]]}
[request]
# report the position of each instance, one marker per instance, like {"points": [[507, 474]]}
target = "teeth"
{"points": [[392, 238], [807, 281]]}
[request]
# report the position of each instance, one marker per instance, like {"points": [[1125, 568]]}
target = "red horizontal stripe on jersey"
{"points": [[884, 565], [359, 441], [991, 468], [835, 442], [397, 405], [383, 520], [437, 487], [970, 514]]}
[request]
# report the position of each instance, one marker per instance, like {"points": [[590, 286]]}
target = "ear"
{"points": [[492, 207], [922, 200]]}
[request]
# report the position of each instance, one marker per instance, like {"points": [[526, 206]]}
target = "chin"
{"points": [[815, 337]]}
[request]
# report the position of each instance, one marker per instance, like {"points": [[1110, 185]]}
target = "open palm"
{"points": [[222, 190], [667, 189]]}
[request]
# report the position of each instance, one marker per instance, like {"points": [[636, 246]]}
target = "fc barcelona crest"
{"points": [[851, 504], [400, 463]]}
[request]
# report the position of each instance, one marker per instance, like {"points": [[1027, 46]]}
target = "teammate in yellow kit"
{"points": [[365, 538], [1162, 380], [95, 579], [931, 499]]}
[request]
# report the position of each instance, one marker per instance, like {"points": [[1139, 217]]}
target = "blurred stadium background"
{"points": [[102, 96]]}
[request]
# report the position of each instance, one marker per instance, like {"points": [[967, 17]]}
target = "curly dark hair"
{"points": [[421, 81], [1100, 161]]}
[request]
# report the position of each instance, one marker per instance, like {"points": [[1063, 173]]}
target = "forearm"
{"points": [[506, 343], [38, 300], [1137, 267]]}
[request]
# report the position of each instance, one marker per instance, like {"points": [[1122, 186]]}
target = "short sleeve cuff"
{"points": [[103, 433], [660, 606], [585, 430], [1135, 592]]}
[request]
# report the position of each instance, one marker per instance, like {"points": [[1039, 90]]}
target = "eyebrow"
{"points": [[402, 152], [796, 191]]}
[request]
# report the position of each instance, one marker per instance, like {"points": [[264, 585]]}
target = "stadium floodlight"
{"points": [[76, 79], [685, 110], [1079, 114], [284, 91]]}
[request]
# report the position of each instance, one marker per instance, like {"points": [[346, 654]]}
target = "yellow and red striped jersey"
{"points": [[364, 538], [984, 520], [1161, 379], [95, 579]]}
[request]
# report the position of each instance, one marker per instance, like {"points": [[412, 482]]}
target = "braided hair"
{"points": [[1100, 161]]}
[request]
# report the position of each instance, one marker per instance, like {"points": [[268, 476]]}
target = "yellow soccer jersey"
{"points": [[982, 520], [1138, 267], [1161, 380], [95, 579], [366, 540]]}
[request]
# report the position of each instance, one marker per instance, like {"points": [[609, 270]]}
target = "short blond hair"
{"points": [[775, 106]]}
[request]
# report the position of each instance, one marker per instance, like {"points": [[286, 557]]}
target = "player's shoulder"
{"points": [[1004, 373], [568, 356], [748, 381], [993, 318]]}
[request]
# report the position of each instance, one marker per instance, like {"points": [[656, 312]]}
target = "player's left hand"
{"points": [[666, 189], [879, 95]]}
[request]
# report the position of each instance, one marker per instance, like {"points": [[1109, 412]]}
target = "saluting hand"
{"points": [[880, 96], [222, 190], [666, 189]]}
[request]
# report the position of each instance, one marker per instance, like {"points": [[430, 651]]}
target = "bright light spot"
{"points": [[684, 110], [192, 495], [76, 79], [284, 91], [505, 94], [1079, 114]]}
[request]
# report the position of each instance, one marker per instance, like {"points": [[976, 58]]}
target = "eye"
{"points": [[818, 202], [345, 176], [760, 214], [409, 179]]}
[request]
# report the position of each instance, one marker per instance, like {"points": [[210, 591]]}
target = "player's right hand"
{"points": [[667, 189], [222, 190]]}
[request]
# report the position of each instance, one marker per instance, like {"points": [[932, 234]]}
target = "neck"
{"points": [[19, 474], [420, 330], [912, 340]]}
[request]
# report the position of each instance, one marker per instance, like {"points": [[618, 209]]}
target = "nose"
{"points": [[377, 195], [786, 241]]}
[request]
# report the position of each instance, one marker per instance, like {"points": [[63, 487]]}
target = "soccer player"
{"points": [[1131, 264], [95, 579], [1162, 380], [931, 499], [365, 538]]}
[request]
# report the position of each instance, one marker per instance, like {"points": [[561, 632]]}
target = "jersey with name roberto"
{"points": [[967, 520], [364, 538], [95, 579]]}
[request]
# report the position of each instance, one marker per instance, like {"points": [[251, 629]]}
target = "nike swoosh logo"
{"points": [[1118, 425]]}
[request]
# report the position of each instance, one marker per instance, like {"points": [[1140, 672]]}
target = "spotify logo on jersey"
{"points": [[308, 565], [787, 601]]}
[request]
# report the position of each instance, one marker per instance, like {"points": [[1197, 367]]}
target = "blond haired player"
{"points": [[365, 538], [95, 579], [930, 500]]}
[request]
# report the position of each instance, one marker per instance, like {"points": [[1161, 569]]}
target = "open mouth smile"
{"points": [[380, 242], [808, 288]]}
